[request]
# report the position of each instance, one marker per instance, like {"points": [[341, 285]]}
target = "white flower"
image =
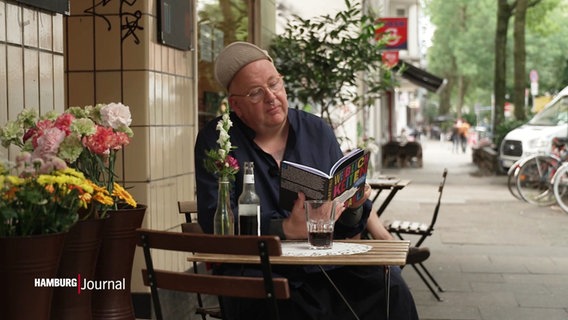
{"points": [[228, 146], [223, 138], [227, 120], [219, 161], [116, 116]]}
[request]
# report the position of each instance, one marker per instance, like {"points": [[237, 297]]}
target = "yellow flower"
{"points": [[100, 197], [54, 198], [15, 181], [85, 199], [121, 193]]}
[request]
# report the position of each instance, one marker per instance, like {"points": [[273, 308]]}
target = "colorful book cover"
{"points": [[341, 183]]}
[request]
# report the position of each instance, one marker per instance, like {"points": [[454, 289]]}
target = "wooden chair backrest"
{"points": [[437, 208], [189, 208], [242, 286]]}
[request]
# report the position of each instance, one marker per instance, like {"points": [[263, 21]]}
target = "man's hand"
{"points": [[367, 193], [294, 226]]}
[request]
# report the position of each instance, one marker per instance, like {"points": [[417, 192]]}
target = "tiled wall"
{"points": [[48, 61], [109, 59], [31, 62]]}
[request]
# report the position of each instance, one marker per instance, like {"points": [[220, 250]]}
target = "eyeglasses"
{"points": [[257, 94]]}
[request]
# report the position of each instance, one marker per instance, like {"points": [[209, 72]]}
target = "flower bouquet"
{"points": [[43, 198], [220, 163], [87, 139], [40, 199]]}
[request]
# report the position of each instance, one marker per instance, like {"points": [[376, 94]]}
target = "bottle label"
{"points": [[248, 178], [248, 209]]}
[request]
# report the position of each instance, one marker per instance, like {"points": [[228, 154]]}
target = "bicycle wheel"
{"points": [[560, 187], [512, 179], [534, 180]]}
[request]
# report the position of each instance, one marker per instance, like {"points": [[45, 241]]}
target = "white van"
{"points": [[535, 137]]}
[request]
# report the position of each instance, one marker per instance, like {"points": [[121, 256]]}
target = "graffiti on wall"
{"points": [[129, 18]]}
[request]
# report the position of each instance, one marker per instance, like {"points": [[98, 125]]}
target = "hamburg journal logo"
{"points": [[80, 283]]}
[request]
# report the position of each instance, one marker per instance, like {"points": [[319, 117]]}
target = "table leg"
{"points": [[387, 291], [377, 195], [340, 294], [387, 201]]}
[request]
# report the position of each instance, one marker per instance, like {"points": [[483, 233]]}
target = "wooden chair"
{"points": [[423, 230], [242, 286], [189, 209]]}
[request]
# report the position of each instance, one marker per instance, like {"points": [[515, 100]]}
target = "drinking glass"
{"points": [[320, 217]]}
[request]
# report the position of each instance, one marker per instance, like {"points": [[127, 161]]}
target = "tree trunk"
{"points": [[504, 12], [520, 60], [462, 90], [446, 94], [445, 97]]}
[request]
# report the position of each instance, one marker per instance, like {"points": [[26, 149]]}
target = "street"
{"points": [[497, 257]]}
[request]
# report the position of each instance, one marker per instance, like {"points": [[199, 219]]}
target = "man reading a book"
{"points": [[266, 132]]}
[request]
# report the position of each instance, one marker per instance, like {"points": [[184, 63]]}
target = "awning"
{"points": [[420, 77]]}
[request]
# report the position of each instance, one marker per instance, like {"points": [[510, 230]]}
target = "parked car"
{"points": [[535, 137]]}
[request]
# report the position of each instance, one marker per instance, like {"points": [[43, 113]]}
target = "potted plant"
{"points": [[40, 202], [88, 139]]}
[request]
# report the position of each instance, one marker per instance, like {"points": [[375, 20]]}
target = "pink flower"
{"points": [[119, 140], [100, 142], [48, 143], [232, 162], [24, 157], [51, 164], [41, 126]]}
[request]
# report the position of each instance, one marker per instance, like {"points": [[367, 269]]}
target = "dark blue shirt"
{"points": [[311, 142]]}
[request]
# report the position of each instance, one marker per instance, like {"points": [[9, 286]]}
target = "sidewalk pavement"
{"points": [[496, 257]]}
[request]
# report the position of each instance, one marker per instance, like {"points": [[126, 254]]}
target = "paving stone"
{"points": [[498, 257]]}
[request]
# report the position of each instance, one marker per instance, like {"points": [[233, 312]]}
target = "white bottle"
{"points": [[249, 204]]}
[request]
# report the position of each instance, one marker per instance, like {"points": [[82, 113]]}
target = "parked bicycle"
{"points": [[560, 186], [531, 178]]}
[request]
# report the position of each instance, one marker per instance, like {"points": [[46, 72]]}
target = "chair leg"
{"points": [[199, 300], [426, 283], [431, 277]]}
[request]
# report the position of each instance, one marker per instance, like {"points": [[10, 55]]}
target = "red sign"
{"points": [[390, 58], [396, 29]]}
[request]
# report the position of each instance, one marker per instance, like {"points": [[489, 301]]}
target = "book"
{"points": [[341, 183]]}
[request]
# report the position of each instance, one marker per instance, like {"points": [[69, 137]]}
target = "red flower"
{"points": [[63, 123], [29, 134], [119, 140], [100, 142]]}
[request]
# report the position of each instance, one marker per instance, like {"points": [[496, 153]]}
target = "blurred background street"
{"points": [[497, 257]]}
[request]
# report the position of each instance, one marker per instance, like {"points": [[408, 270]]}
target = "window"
{"points": [[220, 23]]}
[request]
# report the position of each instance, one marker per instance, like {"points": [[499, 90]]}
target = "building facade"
{"points": [[117, 51], [157, 60]]}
